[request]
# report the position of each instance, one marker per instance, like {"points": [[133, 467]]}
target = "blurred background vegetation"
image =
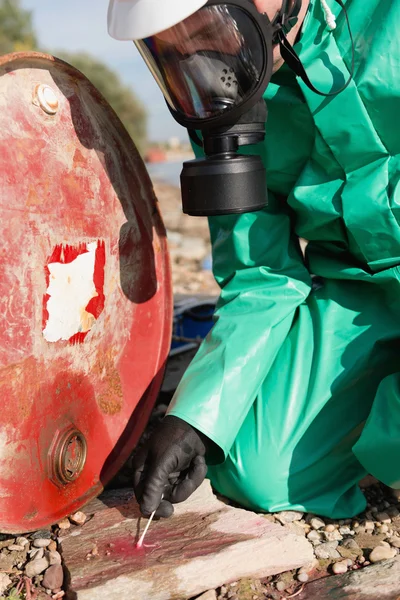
{"points": [[17, 34]]}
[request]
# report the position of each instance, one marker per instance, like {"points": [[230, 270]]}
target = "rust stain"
{"points": [[33, 198], [19, 383], [109, 395], [79, 159]]}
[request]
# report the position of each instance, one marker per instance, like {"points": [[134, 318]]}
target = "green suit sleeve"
{"points": [[258, 265]]}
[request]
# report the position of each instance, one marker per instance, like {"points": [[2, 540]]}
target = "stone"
{"points": [[393, 512], [7, 542], [36, 566], [202, 546], [345, 530], [54, 558], [64, 524], [383, 517], [332, 536], [58, 595], [5, 582], [369, 525], [383, 528], [6, 562], [52, 547], [368, 541], [350, 549], [288, 516], [281, 586], [381, 553], [36, 553], [41, 534], [317, 523], [41, 543], [395, 541], [303, 577], [210, 595], [79, 518], [330, 528], [16, 547], [314, 536], [377, 582], [310, 567], [22, 541], [53, 577], [327, 550], [340, 567]]}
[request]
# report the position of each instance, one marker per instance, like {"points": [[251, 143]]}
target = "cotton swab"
{"points": [[140, 542]]}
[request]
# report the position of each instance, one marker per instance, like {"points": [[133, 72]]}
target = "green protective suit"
{"points": [[298, 384]]}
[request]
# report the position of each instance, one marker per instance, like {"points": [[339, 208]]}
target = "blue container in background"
{"points": [[193, 319]]}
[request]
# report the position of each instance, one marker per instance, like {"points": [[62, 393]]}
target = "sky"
{"points": [[81, 25]]}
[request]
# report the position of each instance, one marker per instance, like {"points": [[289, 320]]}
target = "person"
{"points": [[294, 396]]}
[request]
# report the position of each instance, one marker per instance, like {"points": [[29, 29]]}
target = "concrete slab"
{"points": [[377, 582], [204, 545]]}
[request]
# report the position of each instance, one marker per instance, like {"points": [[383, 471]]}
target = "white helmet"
{"points": [[139, 19]]}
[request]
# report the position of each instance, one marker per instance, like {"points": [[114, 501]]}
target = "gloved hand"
{"points": [[169, 467]]}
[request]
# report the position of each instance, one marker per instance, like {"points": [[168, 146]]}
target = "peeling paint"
{"points": [[75, 285]]}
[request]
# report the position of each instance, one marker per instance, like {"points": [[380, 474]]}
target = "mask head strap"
{"points": [[286, 19]]}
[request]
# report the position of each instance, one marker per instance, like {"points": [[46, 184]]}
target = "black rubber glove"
{"points": [[171, 465]]}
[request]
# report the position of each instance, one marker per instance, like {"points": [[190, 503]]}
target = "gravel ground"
{"points": [[189, 244]]}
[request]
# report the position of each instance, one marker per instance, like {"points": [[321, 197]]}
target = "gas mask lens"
{"points": [[207, 64]]}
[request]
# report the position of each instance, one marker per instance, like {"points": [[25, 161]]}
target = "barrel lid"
{"points": [[85, 291]]}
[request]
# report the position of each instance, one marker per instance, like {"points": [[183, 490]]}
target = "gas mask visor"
{"points": [[213, 68]]}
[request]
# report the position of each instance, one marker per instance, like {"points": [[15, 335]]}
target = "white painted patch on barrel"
{"points": [[71, 287]]}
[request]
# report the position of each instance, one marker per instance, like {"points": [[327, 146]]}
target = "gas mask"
{"points": [[213, 68]]}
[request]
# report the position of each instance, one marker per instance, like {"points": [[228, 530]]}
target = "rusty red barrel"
{"points": [[85, 292]]}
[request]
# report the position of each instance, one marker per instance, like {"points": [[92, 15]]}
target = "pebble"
{"points": [[36, 553], [41, 543], [369, 525], [22, 541], [340, 567], [79, 518], [327, 550], [314, 536], [54, 558], [41, 534], [384, 544], [317, 523], [383, 517], [393, 512], [288, 516], [355, 524], [361, 560], [302, 577], [332, 536], [383, 528], [64, 523], [16, 547], [381, 553], [395, 541], [5, 582], [36, 566], [281, 586], [310, 567], [58, 595], [53, 578], [345, 530], [330, 528]]}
